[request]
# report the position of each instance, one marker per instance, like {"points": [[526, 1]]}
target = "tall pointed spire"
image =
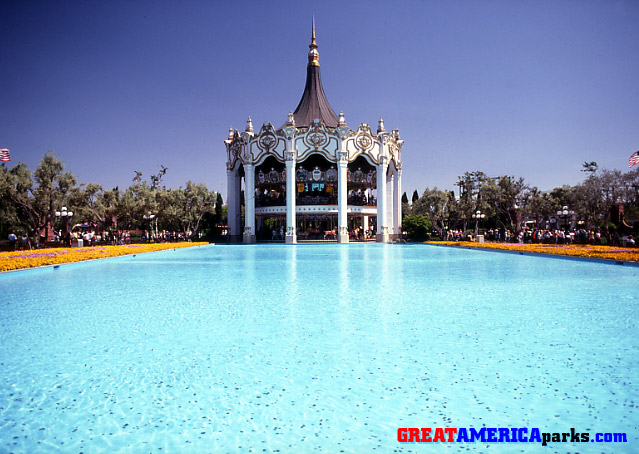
{"points": [[313, 54], [313, 37], [314, 103]]}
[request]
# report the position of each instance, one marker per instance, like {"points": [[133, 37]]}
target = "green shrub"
{"points": [[417, 227]]}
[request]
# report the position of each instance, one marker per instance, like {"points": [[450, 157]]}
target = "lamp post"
{"points": [[149, 217], [565, 212], [64, 215], [477, 215]]}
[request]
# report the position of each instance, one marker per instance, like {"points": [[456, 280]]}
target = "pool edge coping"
{"points": [[543, 254]]}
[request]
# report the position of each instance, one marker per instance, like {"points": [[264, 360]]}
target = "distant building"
{"points": [[315, 176]]}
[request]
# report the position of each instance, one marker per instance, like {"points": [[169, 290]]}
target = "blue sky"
{"points": [[525, 88]]}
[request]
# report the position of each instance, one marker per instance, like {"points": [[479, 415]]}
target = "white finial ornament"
{"points": [[291, 119], [231, 133], [380, 125], [249, 125], [341, 121]]}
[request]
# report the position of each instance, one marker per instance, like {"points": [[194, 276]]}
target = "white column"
{"points": [[238, 204], [291, 234], [249, 195], [390, 186], [342, 199], [232, 205], [397, 205], [365, 223], [382, 227]]}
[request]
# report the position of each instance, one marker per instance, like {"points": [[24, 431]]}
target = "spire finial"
{"points": [[313, 37], [313, 55], [341, 121], [380, 126], [291, 119], [249, 125]]}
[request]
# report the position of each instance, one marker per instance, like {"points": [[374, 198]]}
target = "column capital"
{"points": [[342, 156], [289, 156]]}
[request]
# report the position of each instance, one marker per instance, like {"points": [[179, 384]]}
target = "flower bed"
{"points": [[572, 250], [41, 257]]}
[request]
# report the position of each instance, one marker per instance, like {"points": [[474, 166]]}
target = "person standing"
{"points": [[12, 240]]}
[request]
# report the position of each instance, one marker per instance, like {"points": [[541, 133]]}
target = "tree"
{"points": [[198, 202], [406, 208], [219, 207], [415, 197], [417, 227], [539, 205], [595, 197], [470, 195], [13, 195], [157, 179], [590, 167], [53, 186], [88, 202], [501, 197], [434, 205], [211, 220]]}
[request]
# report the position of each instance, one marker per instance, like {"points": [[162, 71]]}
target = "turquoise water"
{"points": [[315, 348]]}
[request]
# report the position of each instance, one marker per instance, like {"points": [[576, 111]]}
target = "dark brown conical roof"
{"points": [[314, 103]]}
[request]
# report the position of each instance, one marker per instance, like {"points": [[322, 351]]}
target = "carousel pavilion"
{"points": [[314, 178]]}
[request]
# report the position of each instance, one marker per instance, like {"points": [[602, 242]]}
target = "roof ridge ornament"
{"points": [[342, 120], [291, 119], [313, 54], [380, 126], [249, 125]]}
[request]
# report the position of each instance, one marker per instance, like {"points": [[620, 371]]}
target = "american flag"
{"points": [[634, 159], [5, 156]]}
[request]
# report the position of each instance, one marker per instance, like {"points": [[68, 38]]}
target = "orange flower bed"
{"points": [[10, 261], [572, 250]]}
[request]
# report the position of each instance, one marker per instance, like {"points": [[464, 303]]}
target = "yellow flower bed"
{"points": [[572, 250], [40, 257]]}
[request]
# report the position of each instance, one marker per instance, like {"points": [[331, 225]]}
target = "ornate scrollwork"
{"points": [[364, 139], [364, 142], [316, 137], [290, 231], [268, 141], [236, 149]]}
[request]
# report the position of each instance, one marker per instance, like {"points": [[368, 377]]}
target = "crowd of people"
{"points": [[544, 236], [18, 241]]}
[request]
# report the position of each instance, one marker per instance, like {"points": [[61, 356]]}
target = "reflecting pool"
{"points": [[315, 348]]}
